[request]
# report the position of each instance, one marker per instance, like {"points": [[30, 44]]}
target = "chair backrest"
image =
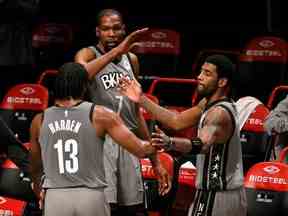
{"points": [[158, 52], [10, 206], [263, 59], [19, 106], [176, 94], [278, 94]]}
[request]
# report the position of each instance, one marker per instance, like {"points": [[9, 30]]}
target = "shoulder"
{"points": [[135, 63], [103, 115], [133, 56], [36, 123], [85, 54], [219, 114], [38, 118]]}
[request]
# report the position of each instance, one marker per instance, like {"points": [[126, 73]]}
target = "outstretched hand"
{"points": [[160, 140], [164, 179], [130, 88], [131, 40]]}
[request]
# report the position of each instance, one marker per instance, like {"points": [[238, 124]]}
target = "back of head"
{"points": [[225, 67], [71, 81]]}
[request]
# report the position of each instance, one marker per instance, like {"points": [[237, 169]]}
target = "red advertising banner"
{"points": [[159, 41], [268, 175], [10, 206], [26, 97], [268, 49], [256, 119]]}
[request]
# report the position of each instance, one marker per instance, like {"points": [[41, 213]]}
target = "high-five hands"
{"points": [[131, 41], [160, 140], [130, 88]]}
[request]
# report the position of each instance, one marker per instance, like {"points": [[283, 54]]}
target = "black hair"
{"points": [[108, 12], [225, 67], [71, 81]]}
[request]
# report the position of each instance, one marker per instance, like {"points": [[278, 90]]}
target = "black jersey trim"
{"points": [[220, 182], [203, 203], [91, 112]]}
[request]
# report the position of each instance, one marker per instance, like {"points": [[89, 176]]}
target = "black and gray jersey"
{"points": [[221, 168], [103, 89], [72, 153]]}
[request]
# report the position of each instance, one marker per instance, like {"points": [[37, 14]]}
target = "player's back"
{"points": [[72, 153]]}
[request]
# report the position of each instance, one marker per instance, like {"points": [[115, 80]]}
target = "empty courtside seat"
{"points": [[266, 185], [19, 106], [177, 201], [264, 60], [158, 52], [177, 95], [16, 195]]}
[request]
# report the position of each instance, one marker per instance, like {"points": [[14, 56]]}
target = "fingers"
{"points": [[164, 184], [159, 133], [158, 144], [157, 129], [41, 200], [139, 31], [124, 82]]}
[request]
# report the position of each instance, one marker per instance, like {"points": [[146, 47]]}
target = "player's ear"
{"points": [[222, 82], [124, 29], [97, 31]]}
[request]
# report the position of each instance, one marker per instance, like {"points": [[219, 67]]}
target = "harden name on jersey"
{"points": [[65, 125]]}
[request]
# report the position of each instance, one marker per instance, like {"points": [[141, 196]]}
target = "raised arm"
{"points": [[176, 121], [94, 66]]}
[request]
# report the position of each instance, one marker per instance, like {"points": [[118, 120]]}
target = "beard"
{"points": [[206, 91]]}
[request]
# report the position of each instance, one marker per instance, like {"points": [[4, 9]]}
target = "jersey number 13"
{"points": [[70, 146]]}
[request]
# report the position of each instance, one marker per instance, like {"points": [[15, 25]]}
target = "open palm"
{"points": [[130, 88]]}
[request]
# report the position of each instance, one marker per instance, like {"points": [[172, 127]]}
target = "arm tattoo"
{"points": [[217, 127]]}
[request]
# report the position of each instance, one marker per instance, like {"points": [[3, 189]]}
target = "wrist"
{"points": [[170, 144], [115, 52], [142, 98]]}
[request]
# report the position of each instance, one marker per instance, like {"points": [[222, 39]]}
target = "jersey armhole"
{"points": [[131, 63], [91, 112], [231, 116]]}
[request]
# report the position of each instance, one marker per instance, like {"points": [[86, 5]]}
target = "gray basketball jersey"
{"points": [[221, 168], [103, 89], [72, 154]]}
